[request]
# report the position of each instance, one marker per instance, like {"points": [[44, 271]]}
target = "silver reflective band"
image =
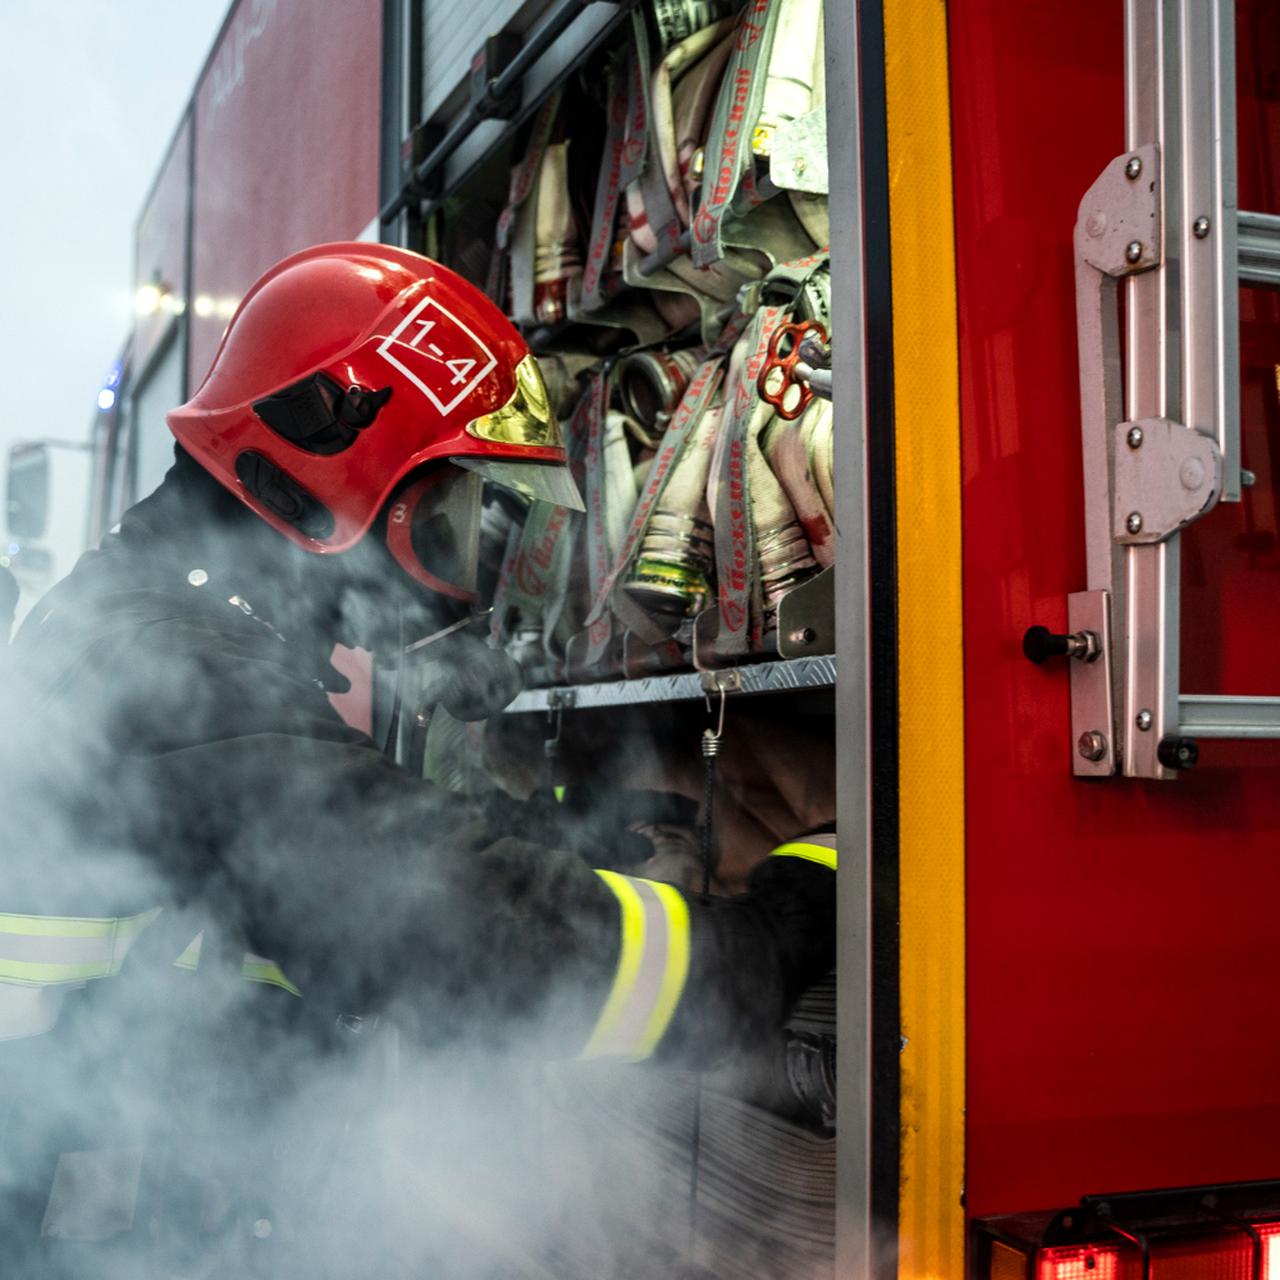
{"points": [[43, 957], [653, 964], [50, 950]]}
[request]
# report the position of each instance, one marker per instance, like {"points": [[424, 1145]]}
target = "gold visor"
{"points": [[527, 418]]}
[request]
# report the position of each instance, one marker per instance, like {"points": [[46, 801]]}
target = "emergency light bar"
{"points": [[1196, 1233]]}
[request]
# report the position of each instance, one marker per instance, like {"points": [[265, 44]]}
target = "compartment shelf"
{"points": [[784, 676]]}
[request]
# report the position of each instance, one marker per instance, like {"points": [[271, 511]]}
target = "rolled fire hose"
{"points": [[684, 92], [690, 74], [790, 450], [672, 573], [557, 256], [728, 156], [650, 384], [761, 549], [789, 79]]}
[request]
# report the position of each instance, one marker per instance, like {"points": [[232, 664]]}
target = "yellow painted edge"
{"points": [[931, 1230]]}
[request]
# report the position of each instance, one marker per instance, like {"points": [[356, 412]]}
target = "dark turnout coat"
{"points": [[166, 746]]}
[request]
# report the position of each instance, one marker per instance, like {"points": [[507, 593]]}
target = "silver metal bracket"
{"points": [[798, 159], [1164, 477], [1093, 735], [807, 617], [726, 681], [1118, 229]]}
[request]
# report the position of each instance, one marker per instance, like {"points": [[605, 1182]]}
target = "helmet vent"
{"points": [[284, 496], [319, 415]]}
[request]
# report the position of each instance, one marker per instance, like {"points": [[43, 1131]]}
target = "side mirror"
{"points": [[27, 494]]}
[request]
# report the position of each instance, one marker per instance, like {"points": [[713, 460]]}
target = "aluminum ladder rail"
{"points": [[1160, 421]]}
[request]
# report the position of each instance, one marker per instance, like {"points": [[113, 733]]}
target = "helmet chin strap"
{"points": [[462, 624]]}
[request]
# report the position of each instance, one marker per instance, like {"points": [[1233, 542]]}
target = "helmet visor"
{"points": [[433, 532], [533, 481]]}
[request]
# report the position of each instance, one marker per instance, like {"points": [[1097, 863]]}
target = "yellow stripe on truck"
{"points": [[931, 1221]]}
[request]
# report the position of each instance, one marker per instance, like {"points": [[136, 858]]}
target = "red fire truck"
{"points": [[1054, 244]]}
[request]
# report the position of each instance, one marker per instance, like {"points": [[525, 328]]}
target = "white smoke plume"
{"points": [[186, 1122]]}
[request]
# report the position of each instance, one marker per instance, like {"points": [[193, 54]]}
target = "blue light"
{"points": [[106, 398], [114, 377], [14, 548]]}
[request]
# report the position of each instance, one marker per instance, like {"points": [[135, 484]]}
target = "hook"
{"points": [[555, 715], [710, 738]]}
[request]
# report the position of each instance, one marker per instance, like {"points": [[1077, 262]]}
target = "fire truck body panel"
{"points": [[1120, 963], [286, 139]]}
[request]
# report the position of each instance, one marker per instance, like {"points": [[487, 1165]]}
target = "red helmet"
{"points": [[346, 368]]}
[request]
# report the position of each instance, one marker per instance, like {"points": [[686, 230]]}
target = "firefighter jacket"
{"points": [[170, 745]]}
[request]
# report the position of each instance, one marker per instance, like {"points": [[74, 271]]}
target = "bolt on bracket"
{"points": [[1171, 477], [1118, 224]]}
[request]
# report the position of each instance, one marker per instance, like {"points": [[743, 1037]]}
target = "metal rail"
{"points": [[793, 675], [1258, 237], [559, 18], [1209, 715]]}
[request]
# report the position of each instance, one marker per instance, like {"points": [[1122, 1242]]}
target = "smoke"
{"points": [[405, 1116]]}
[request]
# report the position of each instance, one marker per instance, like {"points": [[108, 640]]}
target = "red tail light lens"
{"points": [[1187, 1250], [1084, 1263], [1270, 1234]]}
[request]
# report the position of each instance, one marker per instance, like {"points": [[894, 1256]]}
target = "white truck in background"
{"points": [[46, 502]]}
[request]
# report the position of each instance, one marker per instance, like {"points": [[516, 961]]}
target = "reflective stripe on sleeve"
{"points": [[51, 950], [260, 969], [190, 957], [653, 964], [819, 848], [252, 968]]}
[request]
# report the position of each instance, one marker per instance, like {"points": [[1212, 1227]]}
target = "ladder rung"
{"points": [[1259, 240], [1210, 715]]}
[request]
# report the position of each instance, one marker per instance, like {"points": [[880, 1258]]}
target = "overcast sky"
{"points": [[90, 93]]}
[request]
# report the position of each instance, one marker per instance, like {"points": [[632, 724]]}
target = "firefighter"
{"points": [[326, 490]]}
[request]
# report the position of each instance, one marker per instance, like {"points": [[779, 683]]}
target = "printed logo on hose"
{"points": [[532, 567], [704, 224], [603, 232], [749, 29], [747, 390], [733, 613]]}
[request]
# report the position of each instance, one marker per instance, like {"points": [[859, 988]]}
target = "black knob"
{"points": [[1040, 643], [1178, 753]]}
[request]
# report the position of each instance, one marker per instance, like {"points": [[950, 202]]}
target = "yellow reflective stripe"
{"points": [[75, 926], [820, 853], [190, 957], [260, 969], [676, 969], [629, 957], [253, 968], [31, 973], [653, 966], [113, 936]]}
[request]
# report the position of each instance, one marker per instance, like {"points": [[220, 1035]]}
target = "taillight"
{"points": [[1197, 1233], [1078, 1264], [1270, 1234]]}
